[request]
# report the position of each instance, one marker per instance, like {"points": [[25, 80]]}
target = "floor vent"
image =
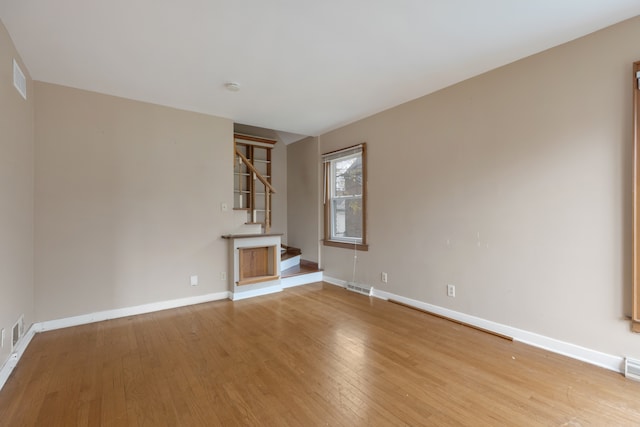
{"points": [[632, 369], [353, 287]]}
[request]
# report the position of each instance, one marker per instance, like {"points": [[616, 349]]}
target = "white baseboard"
{"points": [[613, 363], [334, 281], [287, 282], [237, 296], [14, 358], [127, 311], [594, 357], [50, 325], [302, 279]]}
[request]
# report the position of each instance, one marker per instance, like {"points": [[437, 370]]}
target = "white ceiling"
{"points": [[304, 66]]}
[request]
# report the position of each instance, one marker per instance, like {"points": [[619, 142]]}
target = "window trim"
{"points": [[326, 160], [635, 296]]}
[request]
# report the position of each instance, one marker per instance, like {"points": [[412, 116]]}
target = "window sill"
{"points": [[358, 246]]}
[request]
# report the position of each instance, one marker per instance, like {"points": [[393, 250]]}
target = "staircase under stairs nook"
{"points": [[296, 271], [252, 206]]}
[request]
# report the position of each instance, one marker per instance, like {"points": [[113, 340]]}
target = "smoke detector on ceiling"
{"points": [[232, 86]]}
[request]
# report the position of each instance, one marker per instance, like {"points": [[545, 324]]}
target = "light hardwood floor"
{"points": [[312, 355]]}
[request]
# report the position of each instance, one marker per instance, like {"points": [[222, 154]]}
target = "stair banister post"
{"points": [[267, 211]]}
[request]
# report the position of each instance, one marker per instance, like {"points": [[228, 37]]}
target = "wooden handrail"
{"points": [[268, 189], [255, 171]]}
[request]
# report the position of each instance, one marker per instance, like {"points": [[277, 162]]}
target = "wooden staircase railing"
{"points": [[268, 190]]}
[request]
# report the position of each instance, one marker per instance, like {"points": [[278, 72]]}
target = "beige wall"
{"points": [[16, 196], [515, 186], [303, 197], [128, 201]]}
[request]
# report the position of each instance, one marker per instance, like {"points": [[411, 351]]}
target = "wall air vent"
{"points": [[353, 287], [15, 335], [632, 369], [17, 331], [19, 80]]}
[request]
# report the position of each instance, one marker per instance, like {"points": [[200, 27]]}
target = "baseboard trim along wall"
{"points": [[303, 279], [593, 357], [237, 296], [50, 325], [18, 351], [285, 282], [603, 360]]}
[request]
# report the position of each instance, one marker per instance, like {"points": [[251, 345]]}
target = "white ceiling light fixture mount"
{"points": [[232, 86]]}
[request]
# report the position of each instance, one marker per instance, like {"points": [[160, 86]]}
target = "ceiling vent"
{"points": [[19, 81]]}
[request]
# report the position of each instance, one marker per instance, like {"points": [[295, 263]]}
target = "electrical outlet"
{"points": [[451, 291], [223, 275], [383, 277], [194, 280]]}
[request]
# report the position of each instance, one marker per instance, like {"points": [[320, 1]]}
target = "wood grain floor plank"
{"points": [[314, 355]]}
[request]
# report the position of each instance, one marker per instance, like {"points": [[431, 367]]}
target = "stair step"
{"points": [[289, 262], [302, 274], [290, 252], [304, 267]]}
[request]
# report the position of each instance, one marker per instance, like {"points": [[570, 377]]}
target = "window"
{"points": [[345, 192]]}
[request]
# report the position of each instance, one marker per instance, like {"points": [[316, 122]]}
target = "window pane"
{"points": [[347, 176], [339, 226], [347, 218]]}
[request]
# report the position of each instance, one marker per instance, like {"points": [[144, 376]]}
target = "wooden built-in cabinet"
{"points": [[254, 264], [257, 264]]}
